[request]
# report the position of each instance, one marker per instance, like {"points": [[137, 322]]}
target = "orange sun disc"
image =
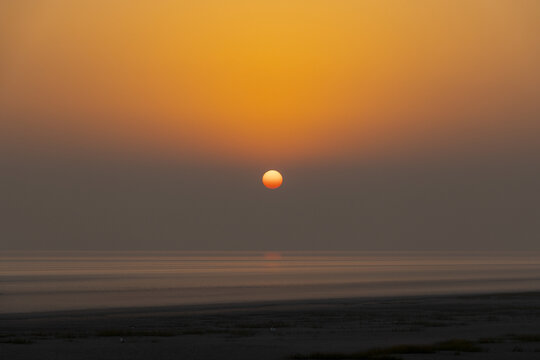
{"points": [[272, 179]]}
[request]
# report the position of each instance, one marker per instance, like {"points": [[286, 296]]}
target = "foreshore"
{"points": [[482, 326]]}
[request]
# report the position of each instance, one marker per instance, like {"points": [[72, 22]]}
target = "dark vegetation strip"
{"points": [[386, 353], [126, 333], [526, 337], [17, 341]]}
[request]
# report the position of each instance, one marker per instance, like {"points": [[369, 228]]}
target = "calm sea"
{"points": [[45, 281]]}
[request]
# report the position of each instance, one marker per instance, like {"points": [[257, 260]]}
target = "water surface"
{"points": [[45, 281]]}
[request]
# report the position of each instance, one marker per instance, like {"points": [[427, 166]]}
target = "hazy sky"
{"points": [[148, 124]]}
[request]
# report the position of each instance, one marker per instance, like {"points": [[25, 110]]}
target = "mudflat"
{"points": [[483, 326]]}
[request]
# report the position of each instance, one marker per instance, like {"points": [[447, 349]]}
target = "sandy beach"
{"points": [[485, 326]]}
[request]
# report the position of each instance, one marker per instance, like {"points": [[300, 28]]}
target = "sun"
{"points": [[272, 179]]}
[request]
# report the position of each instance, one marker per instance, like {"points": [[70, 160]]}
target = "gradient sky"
{"points": [[147, 125]]}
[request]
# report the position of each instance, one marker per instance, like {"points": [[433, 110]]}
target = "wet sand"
{"points": [[487, 326]]}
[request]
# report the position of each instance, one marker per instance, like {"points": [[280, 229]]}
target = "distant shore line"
{"points": [[259, 305]]}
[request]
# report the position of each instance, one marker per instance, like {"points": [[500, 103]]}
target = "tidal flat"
{"points": [[483, 326]]}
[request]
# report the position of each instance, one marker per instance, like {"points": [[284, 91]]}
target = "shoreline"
{"points": [[257, 305], [94, 300]]}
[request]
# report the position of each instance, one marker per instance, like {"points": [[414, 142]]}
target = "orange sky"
{"points": [[276, 81]]}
